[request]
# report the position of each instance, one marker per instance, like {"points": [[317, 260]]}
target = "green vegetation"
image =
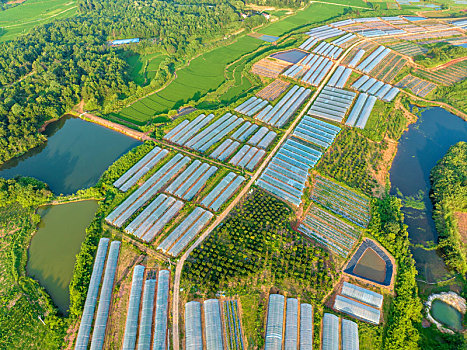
{"points": [[23, 302], [53, 68], [387, 226], [440, 53], [453, 95], [22, 18], [204, 73], [255, 247], [143, 68], [352, 160], [449, 195]]}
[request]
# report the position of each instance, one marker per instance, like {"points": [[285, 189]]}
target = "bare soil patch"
{"points": [[462, 225]]}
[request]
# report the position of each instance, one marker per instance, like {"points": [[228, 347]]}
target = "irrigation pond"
{"points": [[446, 314], [425, 142], [53, 249], [74, 157]]}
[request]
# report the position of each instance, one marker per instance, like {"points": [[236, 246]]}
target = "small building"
{"points": [[124, 41]]}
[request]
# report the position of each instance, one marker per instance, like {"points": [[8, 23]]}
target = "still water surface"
{"points": [[75, 156], [53, 249], [446, 314], [420, 148]]}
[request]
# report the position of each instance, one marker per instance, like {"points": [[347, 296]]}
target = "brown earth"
{"points": [[462, 225]]}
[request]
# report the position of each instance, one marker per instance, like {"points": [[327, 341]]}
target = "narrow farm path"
{"points": [[225, 213]]}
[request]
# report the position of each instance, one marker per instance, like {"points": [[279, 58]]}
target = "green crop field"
{"points": [[20, 19], [207, 72], [204, 74], [315, 13], [143, 68]]}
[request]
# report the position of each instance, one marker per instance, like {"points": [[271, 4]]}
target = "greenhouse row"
{"points": [[225, 149], [290, 335], [287, 173], [358, 310], [262, 138], [328, 50], [105, 296], [377, 88], [343, 39], [189, 183], [193, 328], [324, 32], [275, 322], [213, 324], [358, 56], [207, 322], [154, 217], [131, 324], [132, 338], [137, 171], [285, 108], [334, 339], [191, 135], [244, 131], [251, 106], [186, 128], [184, 233], [295, 71], [139, 197], [340, 77], [319, 67], [232, 324], [223, 191], [315, 131], [363, 295], [332, 103], [247, 157], [330, 231], [361, 111], [373, 59], [308, 44]]}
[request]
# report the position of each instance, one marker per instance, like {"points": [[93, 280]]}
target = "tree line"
{"points": [[46, 72], [449, 195]]}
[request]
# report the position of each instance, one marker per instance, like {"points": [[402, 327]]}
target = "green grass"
{"points": [[20, 19], [204, 74], [315, 13], [143, 68]]}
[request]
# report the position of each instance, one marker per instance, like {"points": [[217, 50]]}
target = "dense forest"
{"points": [[449, 195], [54, 67]]}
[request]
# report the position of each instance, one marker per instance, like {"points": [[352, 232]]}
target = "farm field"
{"points": [[204, 74], [143, 68], [315, 13], [20, 19], [446, 76]]}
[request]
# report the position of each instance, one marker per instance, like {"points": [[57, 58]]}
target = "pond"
{"points": [[446, 314], [420, 148], [371, 266], [75, 156], [53, 249]]}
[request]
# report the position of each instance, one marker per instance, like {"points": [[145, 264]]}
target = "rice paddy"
{"points": [[205, 73], [20, 19]]}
